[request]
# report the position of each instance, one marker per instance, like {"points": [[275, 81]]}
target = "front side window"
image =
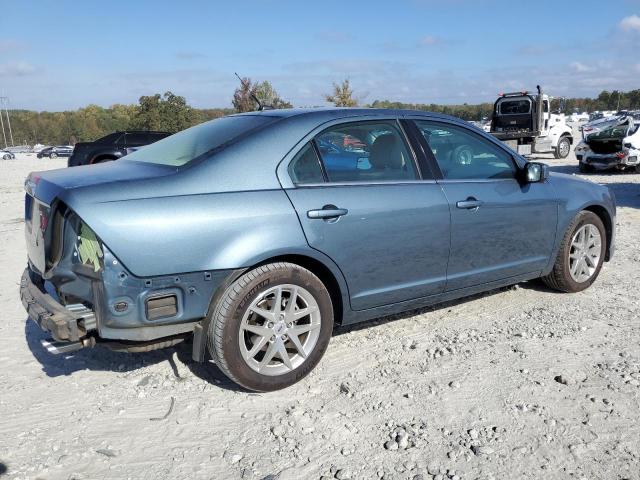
{"points": [[182, 147], [464, 155], [365, 152]]}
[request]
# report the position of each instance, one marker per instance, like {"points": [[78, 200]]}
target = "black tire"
{"points": [[223, 337], [564, 144], [53, 155], [584, 168], [6, 157], [560, 278]]}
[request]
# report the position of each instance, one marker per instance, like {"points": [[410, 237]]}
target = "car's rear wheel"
{"points": [[53, 155], [563, 148], [581, 254], [271, 327], [6, 157]]}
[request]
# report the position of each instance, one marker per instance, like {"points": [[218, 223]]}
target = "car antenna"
{"points": [[255, 98]]}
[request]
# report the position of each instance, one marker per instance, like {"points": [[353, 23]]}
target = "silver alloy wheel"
{"points": [[280, 329], [564, 147], [584, 255]]}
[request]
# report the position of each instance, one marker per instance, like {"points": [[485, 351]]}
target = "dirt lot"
{"points": [[466, 390]]}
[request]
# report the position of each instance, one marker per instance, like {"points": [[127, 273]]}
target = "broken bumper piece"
{"points": [[65, 324]]}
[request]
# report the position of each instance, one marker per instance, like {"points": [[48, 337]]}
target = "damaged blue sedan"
{"points": [[253, 235]]}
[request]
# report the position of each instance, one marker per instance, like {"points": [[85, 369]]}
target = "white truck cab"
{"points": [[526, 123]]}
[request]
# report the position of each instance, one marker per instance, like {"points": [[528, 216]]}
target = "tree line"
{"points": [[172, 113]]}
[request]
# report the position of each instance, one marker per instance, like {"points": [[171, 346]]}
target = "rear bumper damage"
{"points": [[65, 324]]}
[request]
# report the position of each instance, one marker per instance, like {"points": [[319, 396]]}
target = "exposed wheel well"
{"points": [[103, 158], [322, 272], [608, 226], [569, 136]]}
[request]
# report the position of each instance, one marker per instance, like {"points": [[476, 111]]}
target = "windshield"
{"points": [[515, 107], [184, 146]]}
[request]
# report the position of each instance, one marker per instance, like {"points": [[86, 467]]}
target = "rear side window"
{"points": [[133, 139], [305, 167], [182, 147], [366, 152]]}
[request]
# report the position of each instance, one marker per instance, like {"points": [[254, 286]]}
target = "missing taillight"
{"points": [[89, 248]]}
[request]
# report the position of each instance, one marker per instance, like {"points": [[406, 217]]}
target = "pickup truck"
{"points": [[112, 147]]}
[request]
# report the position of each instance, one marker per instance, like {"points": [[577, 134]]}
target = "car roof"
{"points": [[327, 113]]}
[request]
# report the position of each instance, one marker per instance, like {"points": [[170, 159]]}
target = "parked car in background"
{"points": [[245, 235], [19, 149], [6, 155], [616, 146], [112, 147], [54, 152]]}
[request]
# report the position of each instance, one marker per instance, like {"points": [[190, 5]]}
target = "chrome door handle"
{"points": [[327, 212], [469, 203]]}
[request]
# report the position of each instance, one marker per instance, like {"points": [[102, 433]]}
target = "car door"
{"points": [[362, 201], [500, 226]]}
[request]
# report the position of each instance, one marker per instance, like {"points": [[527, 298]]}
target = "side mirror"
{"points": [[536, 172]]}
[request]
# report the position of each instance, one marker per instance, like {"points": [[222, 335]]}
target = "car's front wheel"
{"points": [[271, 327], [53, 155], [563, 148], [581, 254]]}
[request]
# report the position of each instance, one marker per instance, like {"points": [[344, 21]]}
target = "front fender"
{"points": [[575, 194]]}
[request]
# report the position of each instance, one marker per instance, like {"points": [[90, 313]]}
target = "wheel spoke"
{"points": [[271, 316], [574, 268], [277, 302], [268, 356], [296, 342], [303, 313], [293, 298], [589, 261], [284, 355], [300, 329], [257, 346], [258, 330]]}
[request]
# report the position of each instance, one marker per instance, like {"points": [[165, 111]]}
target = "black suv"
{"points": [[111, 147]]}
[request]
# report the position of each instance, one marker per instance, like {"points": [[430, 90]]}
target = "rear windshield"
{"points": [[182, 147], [515, 107]]}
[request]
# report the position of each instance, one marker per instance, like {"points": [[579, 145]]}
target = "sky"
{"points": [[61, 55]]}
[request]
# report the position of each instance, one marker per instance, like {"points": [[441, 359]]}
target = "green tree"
{"points": [[269, 97], [342, 95], [168, 113], [243, 96]]}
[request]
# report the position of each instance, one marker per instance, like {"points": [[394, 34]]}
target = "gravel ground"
{"points": [[516, 383]]}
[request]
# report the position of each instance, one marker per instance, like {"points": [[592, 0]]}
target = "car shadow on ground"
{"points": [[535, 284], [3, 468], [100, 358]]}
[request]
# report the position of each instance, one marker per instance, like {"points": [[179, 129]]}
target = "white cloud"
{"points": [[16, 69], [580, 67], [630, 23], [430, 40]]}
